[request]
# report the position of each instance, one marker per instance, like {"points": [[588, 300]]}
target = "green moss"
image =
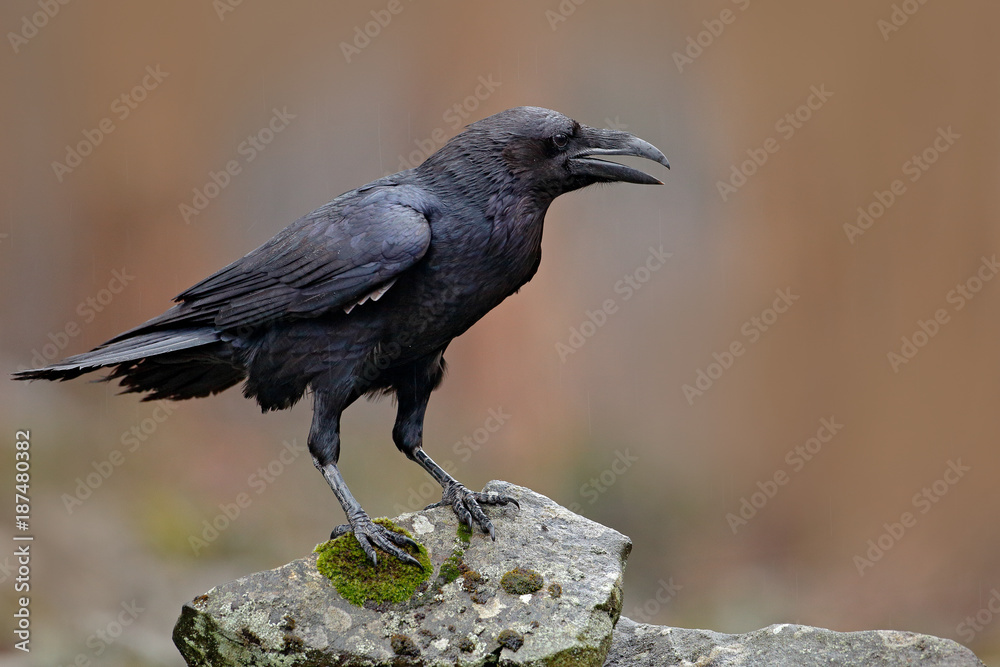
{"points": [[581, 656], [520, 581], [555, 590], [464, 533], [343, 562], [511, 639], [466, 645], [451, 569]]}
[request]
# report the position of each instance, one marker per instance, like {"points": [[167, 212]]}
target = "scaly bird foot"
{"points": [[370, 535], [466, 505]]}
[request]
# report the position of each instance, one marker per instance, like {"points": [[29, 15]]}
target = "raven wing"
{"points": [[335, 257]]}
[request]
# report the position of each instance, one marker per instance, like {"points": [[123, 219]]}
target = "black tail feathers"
{"points": [[173, 364]]}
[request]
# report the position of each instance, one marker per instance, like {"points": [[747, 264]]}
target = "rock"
{"points": [[557, 604], [641, 645], [547, 592]]}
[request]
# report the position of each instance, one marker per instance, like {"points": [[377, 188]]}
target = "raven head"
{"points": [[556, 154]]}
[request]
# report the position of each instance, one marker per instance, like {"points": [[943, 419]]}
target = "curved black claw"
{"points": [[370, 535], [466, 506]]}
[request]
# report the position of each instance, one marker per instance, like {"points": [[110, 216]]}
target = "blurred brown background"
{"points": [[683, 465]]}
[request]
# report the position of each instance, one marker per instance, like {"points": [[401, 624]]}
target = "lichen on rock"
{"points": [[456, 613], [469, 615]]}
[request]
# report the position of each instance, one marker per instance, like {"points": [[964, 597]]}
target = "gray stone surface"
{"points": [[640, 645], [293, 615]]}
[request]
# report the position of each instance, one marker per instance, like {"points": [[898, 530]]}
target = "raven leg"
{"points": [[324, 445], [413, 390]]}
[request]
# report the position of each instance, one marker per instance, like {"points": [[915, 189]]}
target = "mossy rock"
{"points": [[451, 569], [464, 533], [521, 580], [345, 564], [459, 615]]}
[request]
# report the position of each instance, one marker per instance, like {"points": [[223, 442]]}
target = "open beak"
{"points": [[595, 142]]}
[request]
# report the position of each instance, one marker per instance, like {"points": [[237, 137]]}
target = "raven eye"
{"points": [[560, 140]]}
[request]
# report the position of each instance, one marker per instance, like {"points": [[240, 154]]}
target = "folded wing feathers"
{"points": [[315, 265], [374, 296]]}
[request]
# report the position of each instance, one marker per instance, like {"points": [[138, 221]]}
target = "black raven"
{"points": [[363, 295]]}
